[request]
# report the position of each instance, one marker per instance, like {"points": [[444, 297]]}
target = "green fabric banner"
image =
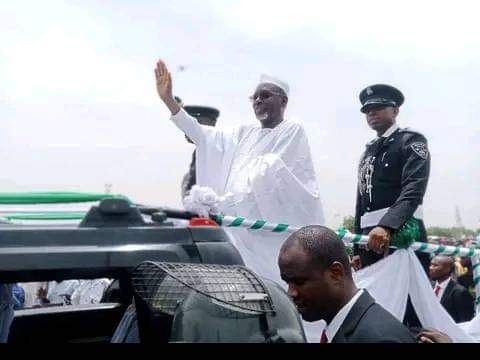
{"points": [[53, 198]]}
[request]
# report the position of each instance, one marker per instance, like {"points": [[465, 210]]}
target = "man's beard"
{"points": [[263, 116]]}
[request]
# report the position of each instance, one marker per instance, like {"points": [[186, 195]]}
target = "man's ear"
{"points": [[396, 110], [284, 101], [337, 271]]}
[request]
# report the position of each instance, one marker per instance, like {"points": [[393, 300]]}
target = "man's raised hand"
{"points": [[164, 87], [163, 81]]}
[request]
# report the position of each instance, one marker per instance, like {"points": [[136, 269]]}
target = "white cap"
{"points": [[277, 82]]}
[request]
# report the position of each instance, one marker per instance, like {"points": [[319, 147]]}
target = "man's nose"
{"points": [[292, 291]]}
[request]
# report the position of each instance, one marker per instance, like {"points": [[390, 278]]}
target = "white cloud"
{"points": [[427, 31], [60, 50]]}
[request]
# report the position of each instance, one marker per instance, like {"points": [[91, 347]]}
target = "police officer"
{"points": [[392, 176], [392, 180], [206, 116]]}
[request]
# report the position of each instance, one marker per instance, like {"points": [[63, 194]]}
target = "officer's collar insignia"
{"points": [[391, 139], [420, 149], [369, 91]]}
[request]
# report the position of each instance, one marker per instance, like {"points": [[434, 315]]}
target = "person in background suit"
{"points": [[466, 279], [6, 311], [18, 297], [455, 298], [314, 263]]}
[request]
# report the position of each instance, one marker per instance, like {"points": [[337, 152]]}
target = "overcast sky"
{"points": [[78, 106]]}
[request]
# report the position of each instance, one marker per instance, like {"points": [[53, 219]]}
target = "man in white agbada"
{"points": [[262, 171]]}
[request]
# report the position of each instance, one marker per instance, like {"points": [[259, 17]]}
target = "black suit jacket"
{"points": [[190, 178], [458, 302], [368, 322]]}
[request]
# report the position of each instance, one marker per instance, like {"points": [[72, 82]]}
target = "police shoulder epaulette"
{"points": [[410, 130]]}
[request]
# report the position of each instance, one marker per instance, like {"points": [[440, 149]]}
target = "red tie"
{"points": [[323, 339], [437, 290]]}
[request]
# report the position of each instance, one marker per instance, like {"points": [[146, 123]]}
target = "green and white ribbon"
{"points": [[231, 221], [351, 239], [476, 279], [345, 235]]}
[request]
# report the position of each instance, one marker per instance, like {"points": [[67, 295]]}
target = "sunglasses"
{"points": [[263, 95]]}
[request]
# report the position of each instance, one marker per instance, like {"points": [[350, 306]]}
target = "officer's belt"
{"points": [[372, 218]]}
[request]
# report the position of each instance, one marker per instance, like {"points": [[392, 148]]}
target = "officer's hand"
{"points": [[356, 263], [164, 87], [379, 240]]}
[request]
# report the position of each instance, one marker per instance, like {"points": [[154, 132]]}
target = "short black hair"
{"points": [[322, 244], [450, 260]]}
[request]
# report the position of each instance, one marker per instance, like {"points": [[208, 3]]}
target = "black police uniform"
{"points": [[190, 179], [392, 180], [393, 174]]}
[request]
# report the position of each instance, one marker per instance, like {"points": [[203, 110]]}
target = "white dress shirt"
{"points": [[332, 328], [389, 131], [443, 285]]}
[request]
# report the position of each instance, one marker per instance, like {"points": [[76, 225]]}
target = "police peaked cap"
{"points": [[203, 111], [380, 94]]}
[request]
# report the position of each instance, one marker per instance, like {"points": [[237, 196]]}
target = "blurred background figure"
{"points": [[205, 115], [454, 297], [18, 297], [465, 278]]}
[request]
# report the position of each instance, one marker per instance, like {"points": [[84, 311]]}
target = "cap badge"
{"points": [[369, 91]]}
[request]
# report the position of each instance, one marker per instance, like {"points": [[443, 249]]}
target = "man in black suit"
{"points": [[314, 263], [455, 298]]}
